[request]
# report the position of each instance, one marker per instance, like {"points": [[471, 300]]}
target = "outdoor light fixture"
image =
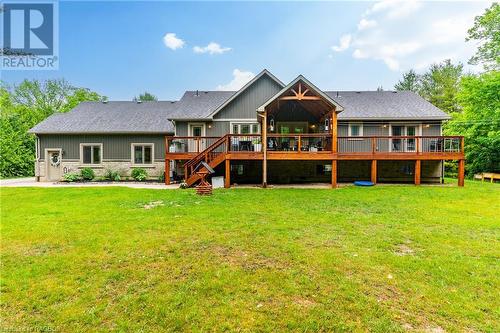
{"points": [[427, 125], [209, 125], [327, 123], [271, 124], [384, 125]]}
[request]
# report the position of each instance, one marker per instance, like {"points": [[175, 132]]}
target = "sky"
{"points": [[121, 49]]}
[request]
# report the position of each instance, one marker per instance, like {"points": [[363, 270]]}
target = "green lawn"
{"points": [[388, 258]]}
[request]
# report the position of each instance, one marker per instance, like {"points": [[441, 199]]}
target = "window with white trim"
{"points": [[142, 153], [356, 129], [245, 128], [91, 153]]}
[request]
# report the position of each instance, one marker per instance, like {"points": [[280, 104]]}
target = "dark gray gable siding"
{"points": [[244, 106], [115, 147]]}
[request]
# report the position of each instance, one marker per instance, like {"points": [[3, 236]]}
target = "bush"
{"points": [[139, 174], [161, 179], [112, 175], [183, 185], [72, 177], [87, 174]]}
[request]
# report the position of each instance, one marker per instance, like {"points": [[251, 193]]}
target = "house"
{"points": [[267, 132]]}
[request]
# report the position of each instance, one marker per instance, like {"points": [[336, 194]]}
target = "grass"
{"points": [[388, 258]]}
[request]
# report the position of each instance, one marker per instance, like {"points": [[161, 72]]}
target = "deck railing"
{"points": [[318, 142], [313, 142], [400, 144], [245, 143], [189, 144]]}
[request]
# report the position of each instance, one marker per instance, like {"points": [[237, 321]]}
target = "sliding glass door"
{"points": [[404, 144]]}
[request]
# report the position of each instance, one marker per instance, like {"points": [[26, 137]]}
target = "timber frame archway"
{"points": [[313, 100]]}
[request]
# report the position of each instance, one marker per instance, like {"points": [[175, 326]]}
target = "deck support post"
{"points": [[167, 171], [461, 172], [334, 131], [227, 179], [374, 172], [418, 167], [264, 149], [334, 173]]}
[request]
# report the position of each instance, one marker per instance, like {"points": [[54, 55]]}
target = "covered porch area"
{"points": [[299, 123]]}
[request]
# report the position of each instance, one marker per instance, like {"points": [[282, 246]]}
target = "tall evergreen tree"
{"points": [[409, 82], [440, 85]]}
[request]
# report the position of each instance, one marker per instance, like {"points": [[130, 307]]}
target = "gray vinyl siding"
{"points": [[181, 128], [114, 147], [431, 130], [363, 145], [244, 106], [218, 128]]}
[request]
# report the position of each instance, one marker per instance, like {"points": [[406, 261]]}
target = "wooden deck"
{"points": [[312, 147]]}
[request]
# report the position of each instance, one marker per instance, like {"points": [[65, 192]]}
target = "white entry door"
{"points": [[53, 160], [197, 143]]}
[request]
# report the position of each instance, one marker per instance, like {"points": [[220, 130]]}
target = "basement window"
{"points": [[142, 153], [91, 153]]}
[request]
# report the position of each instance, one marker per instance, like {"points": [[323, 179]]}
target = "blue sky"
{"points": [[121, 49]]}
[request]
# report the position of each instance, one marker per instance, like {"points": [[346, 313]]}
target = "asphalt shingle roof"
{"points": [[357, 105], [111, 117], [387, 105], [200, 104], [154, 117]]}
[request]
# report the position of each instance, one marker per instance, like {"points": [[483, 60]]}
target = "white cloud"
{"points": [[395, 9], [211, 48], [435, 33], [172, 42], [240, 78], [344, 43], [366, 24]]}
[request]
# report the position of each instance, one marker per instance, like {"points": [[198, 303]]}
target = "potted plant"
{"points": [[257, 145]]}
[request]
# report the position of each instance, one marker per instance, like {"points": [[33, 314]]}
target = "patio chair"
{"points": [[245, 145]]}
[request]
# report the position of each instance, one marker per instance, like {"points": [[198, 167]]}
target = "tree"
{"points": [[145, 97], [479, 121], [440, 85], [23, 107], [380, 88], [409, 82], [486, 30]]}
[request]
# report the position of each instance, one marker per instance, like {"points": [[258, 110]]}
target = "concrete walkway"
{"points": [[30, 182]]}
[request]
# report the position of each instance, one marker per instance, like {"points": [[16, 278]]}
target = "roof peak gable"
{"points": [[289, 86], [244, 88]]}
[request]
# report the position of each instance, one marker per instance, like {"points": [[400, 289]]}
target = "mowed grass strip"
{"points": [[388, 258]]}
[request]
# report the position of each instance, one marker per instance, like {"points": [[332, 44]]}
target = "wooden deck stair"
{"points": [[213, 155]]}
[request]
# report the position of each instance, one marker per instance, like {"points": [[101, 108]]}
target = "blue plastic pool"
{"points": [[363, 183]]}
